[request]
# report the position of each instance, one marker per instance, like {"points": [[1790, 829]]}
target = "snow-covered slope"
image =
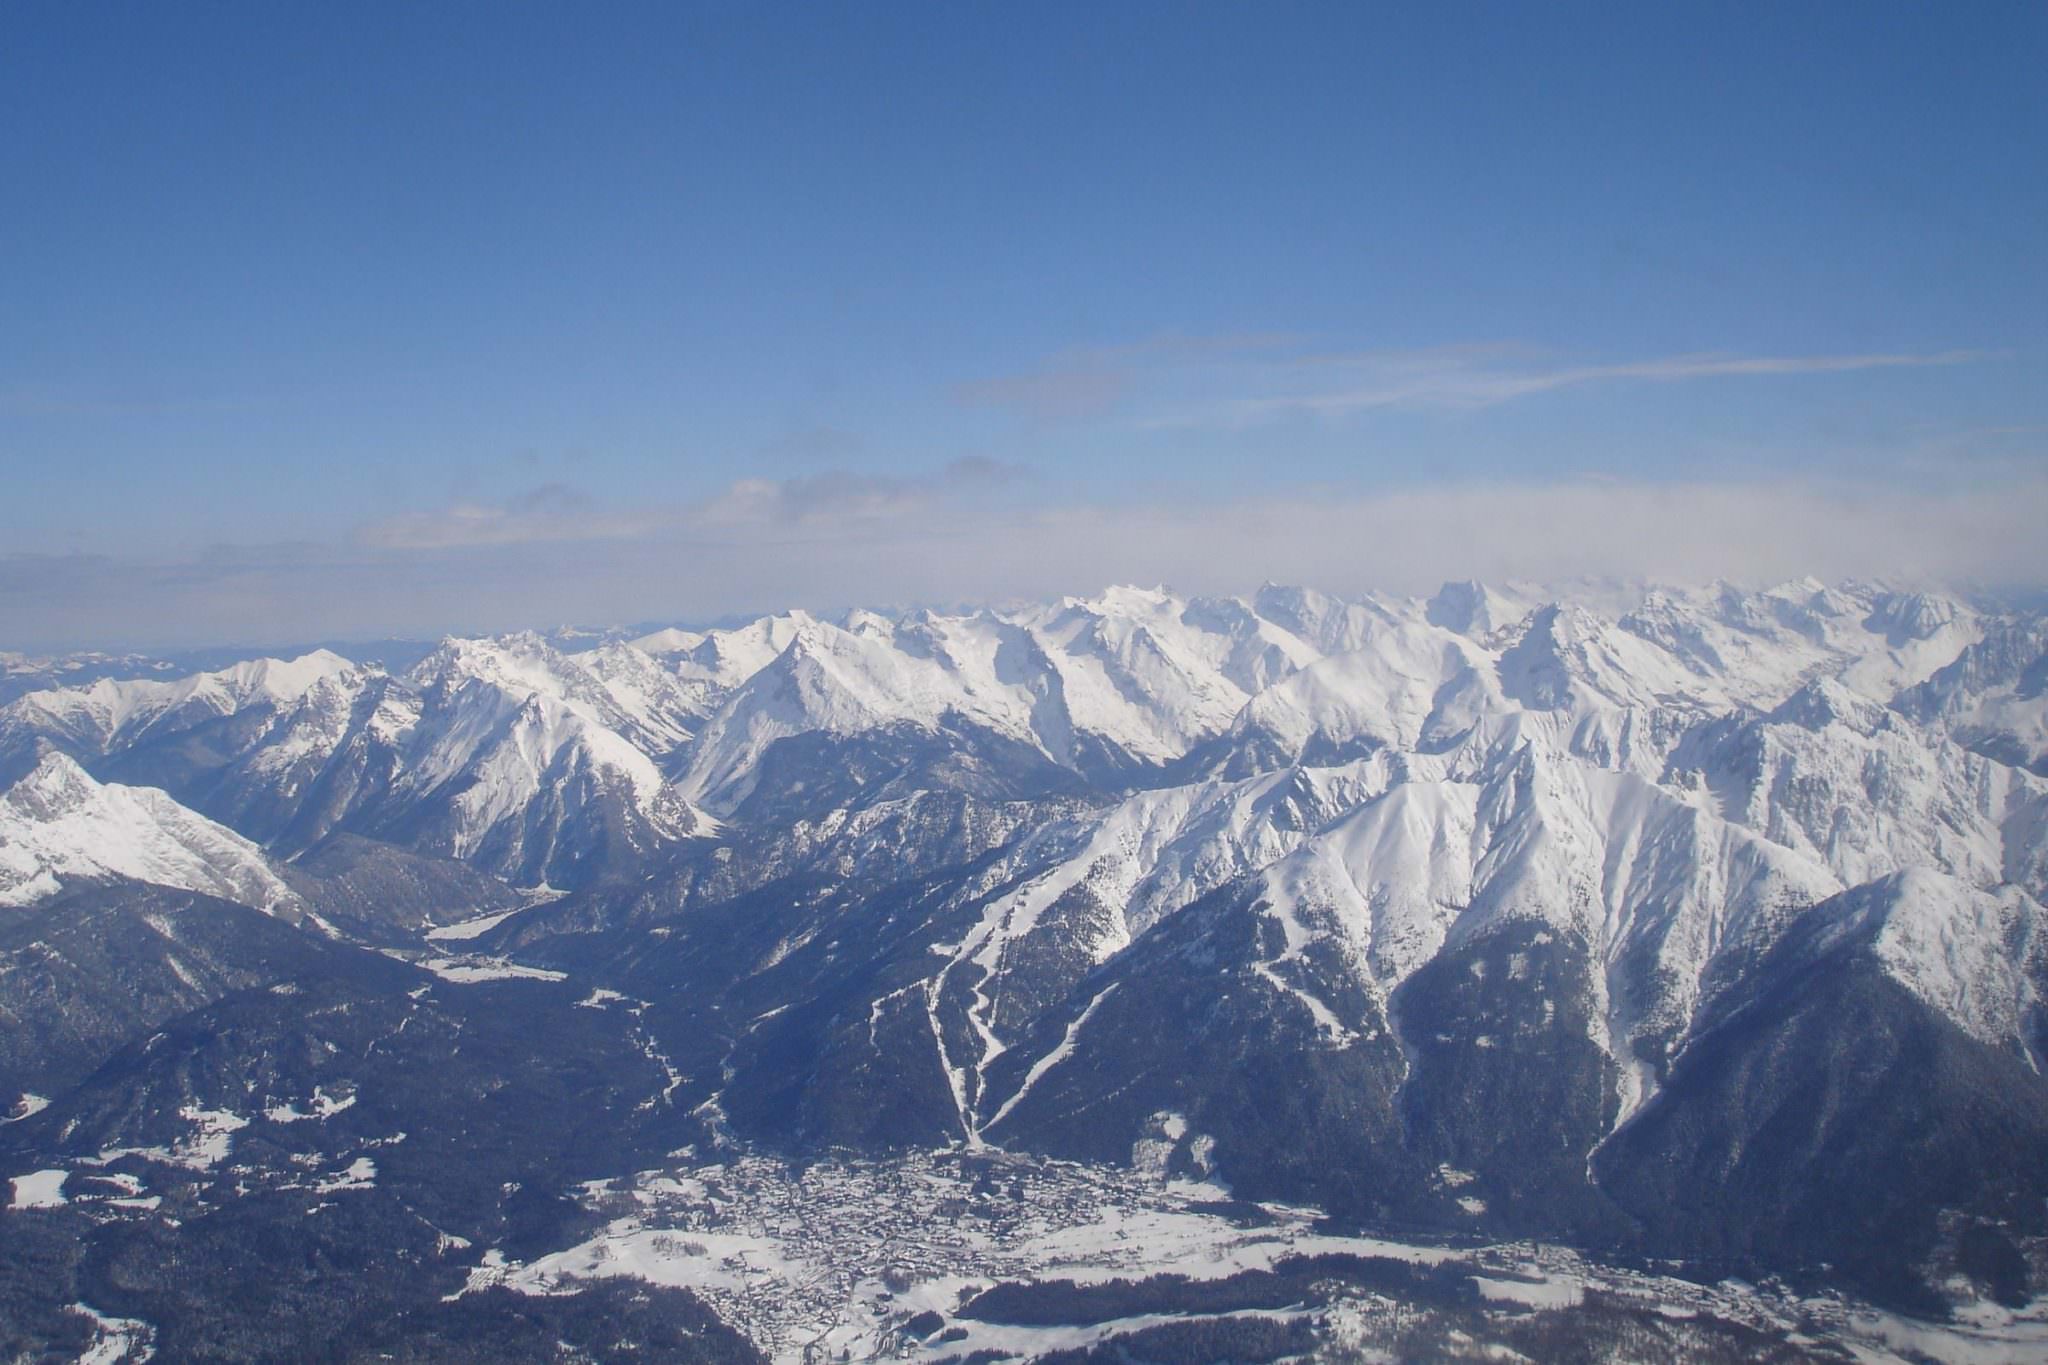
{"points": [[1833, 774], [528, 761], [1122, 687], [528, 786], [1095, 882], [1123, 683], [1978, 957], [1511, 830], [322, 760], [1589, 779], [1993, 697], [615, 686], [1759, 646], [1404, 686], [710, 664], [531, 763], [59, 827]]}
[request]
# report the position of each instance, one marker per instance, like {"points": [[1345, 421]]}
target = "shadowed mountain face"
{"points": [[1704, 924]]}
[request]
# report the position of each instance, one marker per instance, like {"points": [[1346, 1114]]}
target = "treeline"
{"points": [[1250, 1341], [1294, 1281], [360, 1280]]}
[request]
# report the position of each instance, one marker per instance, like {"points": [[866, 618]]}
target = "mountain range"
{"points": [[1702, 924]]}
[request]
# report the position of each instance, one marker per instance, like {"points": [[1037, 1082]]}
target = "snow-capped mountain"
{"points": [[1531, 913], [1122, 684], [1993, 697], [714, 662], [1978, 957], [530, 762], [522, 782], [1836, 775], [614, 686], [59, 828], [109, 716]]}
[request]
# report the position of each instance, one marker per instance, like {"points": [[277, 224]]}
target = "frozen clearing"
{"points": [[39, 1190], [472, 928], [360, 1175], [1542, 1293], [116, 1341], [325, 1106], [468, 971], [27, 1107], [1994, 1337], [202, 1149]]}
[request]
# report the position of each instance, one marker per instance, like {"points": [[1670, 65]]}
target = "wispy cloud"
{"points": [[1239, 381], [551, 512], [556, 513], [843, 498], [1469, 378]]}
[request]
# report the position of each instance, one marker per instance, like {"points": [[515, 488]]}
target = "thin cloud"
{"points": [[1237, 381], [558, 514], [843, 498], [761, 546], [551, 512], [1469, 378]]}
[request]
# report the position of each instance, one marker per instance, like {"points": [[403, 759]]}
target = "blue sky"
{"points": [[425, 317]]}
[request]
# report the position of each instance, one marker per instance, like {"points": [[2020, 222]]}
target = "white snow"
{"points": [[1670, 775], [111, 714], [511, 726], [58, 825], [470, 970], [360, 1174], [116, 1341], [1963, 950], [323, 1106], [28, 1106], [1054, 1057], [205, 1146], [209, 1143], [1538, 1292], [1140, 670], [470, 928], [39, 1190]]}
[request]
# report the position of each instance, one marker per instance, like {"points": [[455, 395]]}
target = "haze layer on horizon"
{"points": [[408, 321]]}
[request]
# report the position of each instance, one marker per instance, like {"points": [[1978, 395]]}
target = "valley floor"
{"points": [[988, 1255]]}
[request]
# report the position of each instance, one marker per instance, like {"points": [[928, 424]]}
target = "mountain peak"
{"points": [[58, 824], [1471, 608], [1904, 617], [1129, 597], [51, 780], [1824, 702]]}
